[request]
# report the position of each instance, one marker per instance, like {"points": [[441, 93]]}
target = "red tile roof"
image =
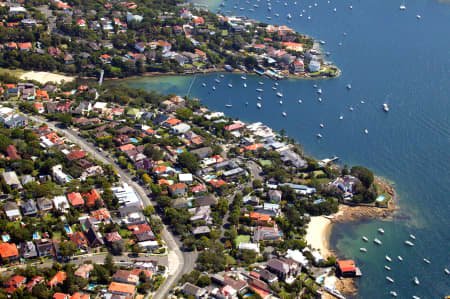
{"points": [[75, 199], [126, 147], [57, 279], [101, 214], [113, 237], [8, 250], [233, 127], [79, 295], [173, 121], [347, 266], [60, 296], [177, 186], [11, 151], [79, 238], [76, 154], [140, 228], [91, 197]]}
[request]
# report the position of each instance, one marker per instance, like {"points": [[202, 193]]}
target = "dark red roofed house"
{"points": [[11, 151], [112, 237], [91, 197], [34, 281], [80, 240], [14, 283], [75, 199], [76, 154]]}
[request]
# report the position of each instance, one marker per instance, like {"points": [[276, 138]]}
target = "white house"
{"points": [[61, 203], [185, 178], [249, 246], [314, 66], [126, 195], [59, 176], [180, 128]]}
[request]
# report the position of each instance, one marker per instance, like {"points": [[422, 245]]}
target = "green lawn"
{"points": [[242, 238], [265, 162], [318, 172], [15, 72]]}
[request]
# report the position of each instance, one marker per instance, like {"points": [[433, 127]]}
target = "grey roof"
{"points": [[190, 289], [277, 265], [206, 200], [11, 178], [201, 230], [10, 206], [29, 207], [202, 152]]}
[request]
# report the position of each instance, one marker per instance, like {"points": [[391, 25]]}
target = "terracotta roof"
{"points": [[60, 296], [79, 295], [217, 183], [112, 237], [259, 217], [11, 151], [79, 238], [91, 197], [122, 288], [57, 279], [173, 121], [147, 273], [233, 127], [253, 147], [126, 147], [75, 199], [8, 250], [101, 214], [76, 154], [177, 186], [139, 228], [346, 266]]}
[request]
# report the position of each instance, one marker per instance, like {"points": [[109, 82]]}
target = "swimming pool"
{"points": [[380, 198], [68, 229], [320, 279], [318, 201], [134, 140], [36, 236]]}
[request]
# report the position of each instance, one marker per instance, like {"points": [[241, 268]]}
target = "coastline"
{"points": [[320, 227]]}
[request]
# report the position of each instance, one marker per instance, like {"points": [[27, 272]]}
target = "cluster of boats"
{"points": [[408, 242]]}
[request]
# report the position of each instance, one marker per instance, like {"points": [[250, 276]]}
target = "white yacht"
{"points": [[389, 279], [409, 243], [213, 88], [365, 239], [259, 90], [334, 9], [261, 83], [245, 85], [228, 105], [349, 86], [320, 99], [381, 231], [217, 80], [289, 16], [402, 7], [387, 268], [279, 94], [362, 249], [351, 108], [300, 101], [243, 78], [351, 7], [258, 105], [427, 261], [388, 258], [222, 75], [416, 280], [284, 114], [319, 135], [276, 84], [393, 294], [362, 102], [274, 88], [319, 91], [230, 85], [400, 258], [203, 84], [376, 241], [366, 131], [321, 125], [447, 271], [341, 117], [418, 17], [385, 107], [259, 98], [281, 102], [412, 236], [315, 85], [415, 297]]}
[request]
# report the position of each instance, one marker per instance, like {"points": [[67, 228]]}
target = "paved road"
{"points": [[178, 262]]}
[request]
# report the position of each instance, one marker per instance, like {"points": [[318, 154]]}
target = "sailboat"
{"points": [[229, 105], [403, 5], [258, 105]]}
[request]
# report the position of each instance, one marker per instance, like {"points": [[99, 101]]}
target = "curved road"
{"points": [[179, 262]]}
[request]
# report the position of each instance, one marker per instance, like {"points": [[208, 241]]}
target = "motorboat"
{"points": [[289, 16], [261, 83], [274, 88], [319, 91], [322, 42], [315, 85], [418, 17], [300, 101], [258, 105], [393, 294], [228, 105], [281, 102], [362, 249], [334, 9], [376, 241], [385, 107], [365, 239], [409, 243], [427, 261], [366, 131], [349, 86], [341, 117], [276, 84], [412, 236], [259, 98], [447, 271], [243, 78], [402, 7], [222, 75], [230, 85], [388, 258], [213, 88], [415, 297], [217, 80], [245, 85], [319, 135], [321, 125], [279, 94], [387, 268], [351, 108], [400, 258], [362, 102], [320, 99], [381, 231], [259, 90], [351, 7], [416, 281], [284, 114], [389, 279], [203, 84]]}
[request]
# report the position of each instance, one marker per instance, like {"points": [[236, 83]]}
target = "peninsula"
{"points": [[115, 191]]}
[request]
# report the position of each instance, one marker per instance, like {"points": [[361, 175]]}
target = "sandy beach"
{"points": [[44, 77], [318, 233]]}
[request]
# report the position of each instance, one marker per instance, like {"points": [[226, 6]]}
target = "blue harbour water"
{"points": [[388, 56]]}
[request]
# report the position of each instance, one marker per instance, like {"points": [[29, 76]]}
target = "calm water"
{"points": [[388, 56]]}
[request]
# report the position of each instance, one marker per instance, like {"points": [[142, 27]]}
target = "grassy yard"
{"points": [[242, 238], [15, 72]]}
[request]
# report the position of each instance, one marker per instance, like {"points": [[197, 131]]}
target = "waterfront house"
{"points": [[314, 66], [346, 268]]}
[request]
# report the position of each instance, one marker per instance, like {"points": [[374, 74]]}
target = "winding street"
{"points": [[179, 262]]}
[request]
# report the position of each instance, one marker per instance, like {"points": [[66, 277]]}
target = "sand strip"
{"points": [[44, 77]]}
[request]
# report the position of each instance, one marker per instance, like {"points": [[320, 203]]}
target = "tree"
{"points": [[109, 263], [146, 178], [184, 113], [189, 160], [67, 248], [203, 281], [149, 210], [363, 174]]}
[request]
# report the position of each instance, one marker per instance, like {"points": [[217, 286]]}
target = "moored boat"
{"points": [[385, 107], [409, 243], [279, 94], [388, 258], [362, 249], [258, 105], [381, 231], [400, 258], [393, 294], [387, 268], [416, 281], [447, 271], [412, 236], [389, 279], [259, 90], [284, 114], [427, 261], [377, 241], [365, 239]]}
